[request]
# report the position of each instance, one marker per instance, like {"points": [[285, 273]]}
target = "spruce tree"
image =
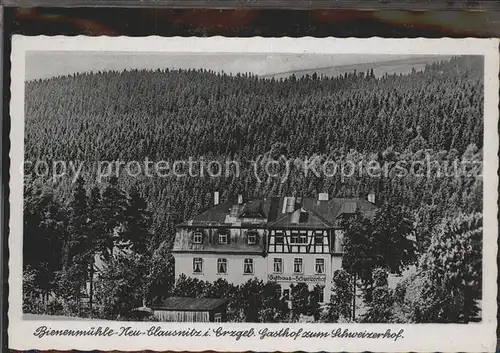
{"points": [[136, 232], [113, 211], [80, 245], [96, 235], [136, 236]]}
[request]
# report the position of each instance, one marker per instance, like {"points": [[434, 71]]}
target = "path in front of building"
{"points": [[56, 318]]}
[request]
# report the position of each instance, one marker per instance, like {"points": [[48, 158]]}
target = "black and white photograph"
{"points": [[328, 188]]}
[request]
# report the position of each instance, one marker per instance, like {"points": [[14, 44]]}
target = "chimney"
{"points": [[216, 198], [288, 204], [323, 196], [371, 197], [240, 199]]}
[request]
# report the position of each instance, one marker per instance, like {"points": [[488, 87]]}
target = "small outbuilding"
{"points": [[184, 309]]}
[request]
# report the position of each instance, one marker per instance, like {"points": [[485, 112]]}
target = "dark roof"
{"points": [[324, 213], [190, 304], [301, 218], [214, 215]]}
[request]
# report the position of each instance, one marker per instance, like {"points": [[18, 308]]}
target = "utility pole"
{"points": [[354, 298], [91, 289]]}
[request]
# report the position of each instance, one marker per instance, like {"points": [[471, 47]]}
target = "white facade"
{"points": [[211, 264]]}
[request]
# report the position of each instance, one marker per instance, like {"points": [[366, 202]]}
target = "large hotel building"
{"points": [[282, 239]]}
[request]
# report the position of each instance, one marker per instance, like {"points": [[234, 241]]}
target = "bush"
{"points": [[380, 309], [190, 287], [250, 298], [274, 309], [340, 304], [55, 307], [446, 287], [33, 305], [32, 302], [221, 288], [305, 302]]}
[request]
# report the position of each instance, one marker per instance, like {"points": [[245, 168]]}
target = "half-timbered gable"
{"points": [[300, 231]]}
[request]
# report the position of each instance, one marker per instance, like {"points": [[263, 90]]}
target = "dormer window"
{"points": [[197, 237], [303, 217], [252, 237], [223, 237]]}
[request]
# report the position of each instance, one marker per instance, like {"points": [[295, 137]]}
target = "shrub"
{"points": [[380, 309], [55, 307], [340, 305]]}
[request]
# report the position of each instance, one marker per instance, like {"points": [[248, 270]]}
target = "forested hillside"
{"points": [[174, 114], [171, 115]]}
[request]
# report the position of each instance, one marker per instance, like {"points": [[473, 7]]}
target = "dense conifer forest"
{"points": [[176, 114], [173, 114]]}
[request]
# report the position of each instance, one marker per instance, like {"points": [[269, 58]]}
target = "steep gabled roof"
{"points": [[296, 219], [270, 211], [213, 215], [253, 209]]}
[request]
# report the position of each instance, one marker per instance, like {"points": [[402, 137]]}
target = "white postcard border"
{"points": [[477, 337]]}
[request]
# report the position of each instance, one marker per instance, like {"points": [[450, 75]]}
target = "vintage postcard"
{"points": [[266, 194]]}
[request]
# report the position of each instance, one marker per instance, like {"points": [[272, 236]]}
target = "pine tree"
{"points": [[80, 244], [44, 237], [137, 224]]}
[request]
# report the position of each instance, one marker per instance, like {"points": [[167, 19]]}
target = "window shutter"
{"points": [[229, 236], [257, 237]]}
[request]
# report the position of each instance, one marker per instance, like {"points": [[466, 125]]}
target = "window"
{"points": [[298, 238], [278, 239], [197, 237], [222, 237], [252, 237], [197, 265], [221, 265], [321, 295], [320, 265], [278, 265], [318, 238], [218, 317], [297, 265], [286, 294], [248, 266], [278, 291]]}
